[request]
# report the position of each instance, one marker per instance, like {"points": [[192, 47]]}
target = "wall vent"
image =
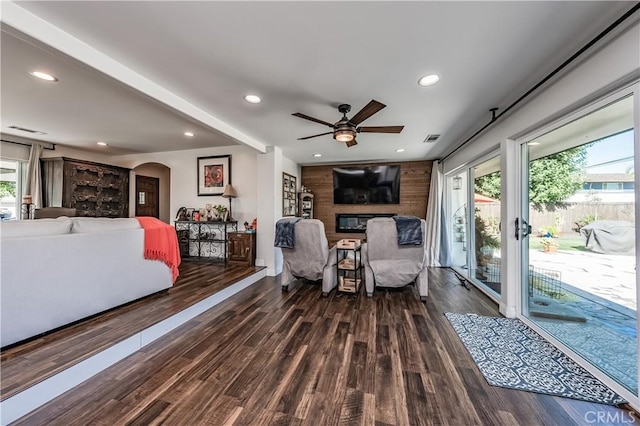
{"points": [[22, 129], [431, 138]]}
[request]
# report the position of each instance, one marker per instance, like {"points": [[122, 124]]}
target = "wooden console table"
{"points": [[200, 240]]}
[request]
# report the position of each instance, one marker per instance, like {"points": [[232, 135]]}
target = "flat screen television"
{"points": [[366, 185]]}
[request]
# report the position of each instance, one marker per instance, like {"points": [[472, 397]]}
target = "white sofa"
{"points": [[57, 271]]}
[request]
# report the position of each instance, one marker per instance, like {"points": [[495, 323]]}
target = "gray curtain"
{"points": [[33, 185], [435, 217], [445, 242]]}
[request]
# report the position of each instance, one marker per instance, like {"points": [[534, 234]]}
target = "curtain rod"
{"points": [[573, 57], [51, 146]]}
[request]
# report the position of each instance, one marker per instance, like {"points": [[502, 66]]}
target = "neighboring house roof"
{"points": [[609, 177]]}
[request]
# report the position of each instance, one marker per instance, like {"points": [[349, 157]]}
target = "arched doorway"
{"points": [[152, 191]]}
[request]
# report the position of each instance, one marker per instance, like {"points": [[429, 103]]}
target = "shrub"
{"points": [[549, 242], [548, 231], [583, 221]]}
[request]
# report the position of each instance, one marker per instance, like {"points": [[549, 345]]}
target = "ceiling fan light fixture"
{"points": [[344, 135], [428, 80]]}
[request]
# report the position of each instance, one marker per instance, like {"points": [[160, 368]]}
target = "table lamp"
{"points": [[229, 193]]}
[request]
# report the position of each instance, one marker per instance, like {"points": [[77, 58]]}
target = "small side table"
{"points": [[349, 267], [27, 211], [242, 248]]}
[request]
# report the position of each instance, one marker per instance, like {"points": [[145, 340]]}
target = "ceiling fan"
{"points": [[345, 130]]}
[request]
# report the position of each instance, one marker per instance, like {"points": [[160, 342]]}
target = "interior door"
{"points": [[147, 196]]}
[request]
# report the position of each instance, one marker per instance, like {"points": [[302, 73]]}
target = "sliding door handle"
{"points": [[522, 228], [526, 228]]}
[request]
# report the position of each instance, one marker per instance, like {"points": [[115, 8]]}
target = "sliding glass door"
{"points": [[11, 178], [459, 220], [486, 225], [578, 259], [474, 205]]}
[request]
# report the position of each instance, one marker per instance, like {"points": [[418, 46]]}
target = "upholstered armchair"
{"points": [[53, 212], [390, 264], [310, 258]]}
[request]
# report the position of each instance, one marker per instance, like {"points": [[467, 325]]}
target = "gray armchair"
{"points": [[53, 212], [311, 257], [389, 264]]}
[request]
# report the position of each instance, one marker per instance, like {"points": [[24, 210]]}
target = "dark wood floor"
{"points": [[25, 364], [267, 357]]}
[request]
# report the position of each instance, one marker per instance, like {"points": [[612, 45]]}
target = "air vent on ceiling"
{"points": [[22, 129], [431, 138]]}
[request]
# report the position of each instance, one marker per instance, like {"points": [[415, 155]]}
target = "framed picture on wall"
{"points": [[214, 173], [289, 187]]}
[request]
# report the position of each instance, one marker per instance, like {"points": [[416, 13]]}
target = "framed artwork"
{"points": [[289, 196], [214, 173]]}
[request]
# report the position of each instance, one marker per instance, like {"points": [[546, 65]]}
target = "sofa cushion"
{"points": [[83, 225], [35, 228]]}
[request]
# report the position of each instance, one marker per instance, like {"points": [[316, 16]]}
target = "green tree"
{"points": [[552, 179], [7, 188]]}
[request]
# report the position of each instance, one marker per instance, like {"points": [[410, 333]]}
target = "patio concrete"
{"points": [[612, 277], [604, 288]]}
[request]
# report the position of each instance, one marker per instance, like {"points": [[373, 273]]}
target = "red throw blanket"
{"points": [[161, 243]]}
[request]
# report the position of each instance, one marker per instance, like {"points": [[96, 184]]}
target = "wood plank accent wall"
{"points": [[415, 177]]}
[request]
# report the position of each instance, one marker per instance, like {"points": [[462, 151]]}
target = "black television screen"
{"points": [[366, 185]]}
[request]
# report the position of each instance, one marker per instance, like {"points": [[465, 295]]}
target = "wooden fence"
{"points": [[564, 219]]}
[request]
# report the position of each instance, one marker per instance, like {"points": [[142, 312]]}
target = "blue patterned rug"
{"points": [[511, 355]]}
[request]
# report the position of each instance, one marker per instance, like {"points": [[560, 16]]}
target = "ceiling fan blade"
{"points": [[314, 136], [351, 143], [366, 112], [306, 117], [380, 129]]}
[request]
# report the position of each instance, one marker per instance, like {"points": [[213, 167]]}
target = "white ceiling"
{"points": [[303, 57]]}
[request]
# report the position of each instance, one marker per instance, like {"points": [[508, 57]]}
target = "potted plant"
{"points": [[486, 241], [220, 211], [549, 244]]}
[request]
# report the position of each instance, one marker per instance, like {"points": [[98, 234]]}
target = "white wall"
{"points": [[64, 151], [256, 177], [11, 151], [280, 164], [292, 168], [184, 178], [613, 62], [270, 204], [21, 152]]}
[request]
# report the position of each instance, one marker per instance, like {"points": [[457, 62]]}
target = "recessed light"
{"points": [[102, 143], [400, 150], [428, 80], [253, 99], [317, 155], [189, 134], [43, 75]]}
